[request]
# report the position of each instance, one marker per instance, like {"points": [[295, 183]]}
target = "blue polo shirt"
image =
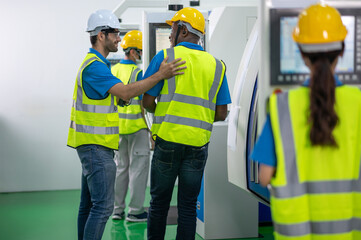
{"points": [[223, 96], [264, 150], [97, 78]]}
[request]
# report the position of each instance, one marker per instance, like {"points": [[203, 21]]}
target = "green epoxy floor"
{"points": [[52, 215]]}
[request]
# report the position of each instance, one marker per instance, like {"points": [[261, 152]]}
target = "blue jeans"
{"points": [[172, 160], [97, 190]]}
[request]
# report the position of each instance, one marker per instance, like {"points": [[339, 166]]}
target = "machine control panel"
{"points": [[287, 67]]}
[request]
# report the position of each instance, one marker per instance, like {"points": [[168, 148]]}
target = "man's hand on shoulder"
{"points": [[168, 70]]}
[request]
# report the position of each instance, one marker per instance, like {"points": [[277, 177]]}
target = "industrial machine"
{"points": [[272, 61]]}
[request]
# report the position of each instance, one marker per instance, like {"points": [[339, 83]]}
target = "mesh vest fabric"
{"points": [[92, 121], [316, 192], [186, 106], [130, 117]]}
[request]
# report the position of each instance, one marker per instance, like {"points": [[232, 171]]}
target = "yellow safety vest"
{"points": [[130, 117], [92, 121], [316, 192], [186, 107]]}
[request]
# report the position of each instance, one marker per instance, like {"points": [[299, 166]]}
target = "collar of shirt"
{"points": [[191, 45], [337, 81], [92, 50], [127, 61]]}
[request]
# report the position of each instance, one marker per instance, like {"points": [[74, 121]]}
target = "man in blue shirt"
{"points": [[183, 122], [94, 128]]}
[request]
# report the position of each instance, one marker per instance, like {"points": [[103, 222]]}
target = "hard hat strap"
{"points": [[127, 51], [177, 34], [97, 30], [191, 29]]}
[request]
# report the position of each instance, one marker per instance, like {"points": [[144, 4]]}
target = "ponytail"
{"points": [[322, 117]]}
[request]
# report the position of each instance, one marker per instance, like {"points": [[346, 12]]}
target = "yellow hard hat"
{"points": [[190, 15], [132, 39], [319, 24]]}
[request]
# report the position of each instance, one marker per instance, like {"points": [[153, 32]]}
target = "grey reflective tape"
{"points": [[324, 227], [171, 81], [194, 101], [188, 122], [94, 108], [133, 77], [165, 98], [112, 102], [170, 54], [183, 121], [94, 130], [130, 116], [158, 119], [217, 80], [79, 91], [319, 187], [135, 102], [284, 118]]}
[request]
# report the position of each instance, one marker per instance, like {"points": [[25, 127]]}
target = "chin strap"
{"points": [[176, 36]]}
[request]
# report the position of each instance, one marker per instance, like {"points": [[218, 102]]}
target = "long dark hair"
{"points": [[322, 116]]}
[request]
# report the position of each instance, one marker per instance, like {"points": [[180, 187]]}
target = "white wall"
{"points": [[43, 43]]}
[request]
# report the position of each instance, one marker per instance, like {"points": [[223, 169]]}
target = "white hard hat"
{"points": [[102, 19]]}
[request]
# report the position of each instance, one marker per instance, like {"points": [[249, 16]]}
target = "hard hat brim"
{"points": [[169, 22]]}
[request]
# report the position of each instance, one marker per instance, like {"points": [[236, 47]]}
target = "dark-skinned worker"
{"points": [[183, 119]]}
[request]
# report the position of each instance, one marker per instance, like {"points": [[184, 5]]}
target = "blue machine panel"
{"points": [[200, 203]]}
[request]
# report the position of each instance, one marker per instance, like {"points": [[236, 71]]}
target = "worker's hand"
{"points": [[123, 103], [168, 70]]}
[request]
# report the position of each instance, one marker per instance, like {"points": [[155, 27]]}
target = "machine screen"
{"points": [[162, 38], [158, 38], [291, 61], [287, 66]]}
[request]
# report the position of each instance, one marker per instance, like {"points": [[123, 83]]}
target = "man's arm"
{"points": [[149, 103], [221, 113], [166, 70], [265, 174]]}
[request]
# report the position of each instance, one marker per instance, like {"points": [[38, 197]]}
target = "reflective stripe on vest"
{"points": [[328, 227], [86, 107], [294, 189], [92, 121], [172, 96], [130, 117], [92, 129], [184, 121], [190, 99]]}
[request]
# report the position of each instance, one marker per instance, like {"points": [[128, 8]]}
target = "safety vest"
{"points": [[186, 107], [130, 117], [92, 121], [316, 192]]}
